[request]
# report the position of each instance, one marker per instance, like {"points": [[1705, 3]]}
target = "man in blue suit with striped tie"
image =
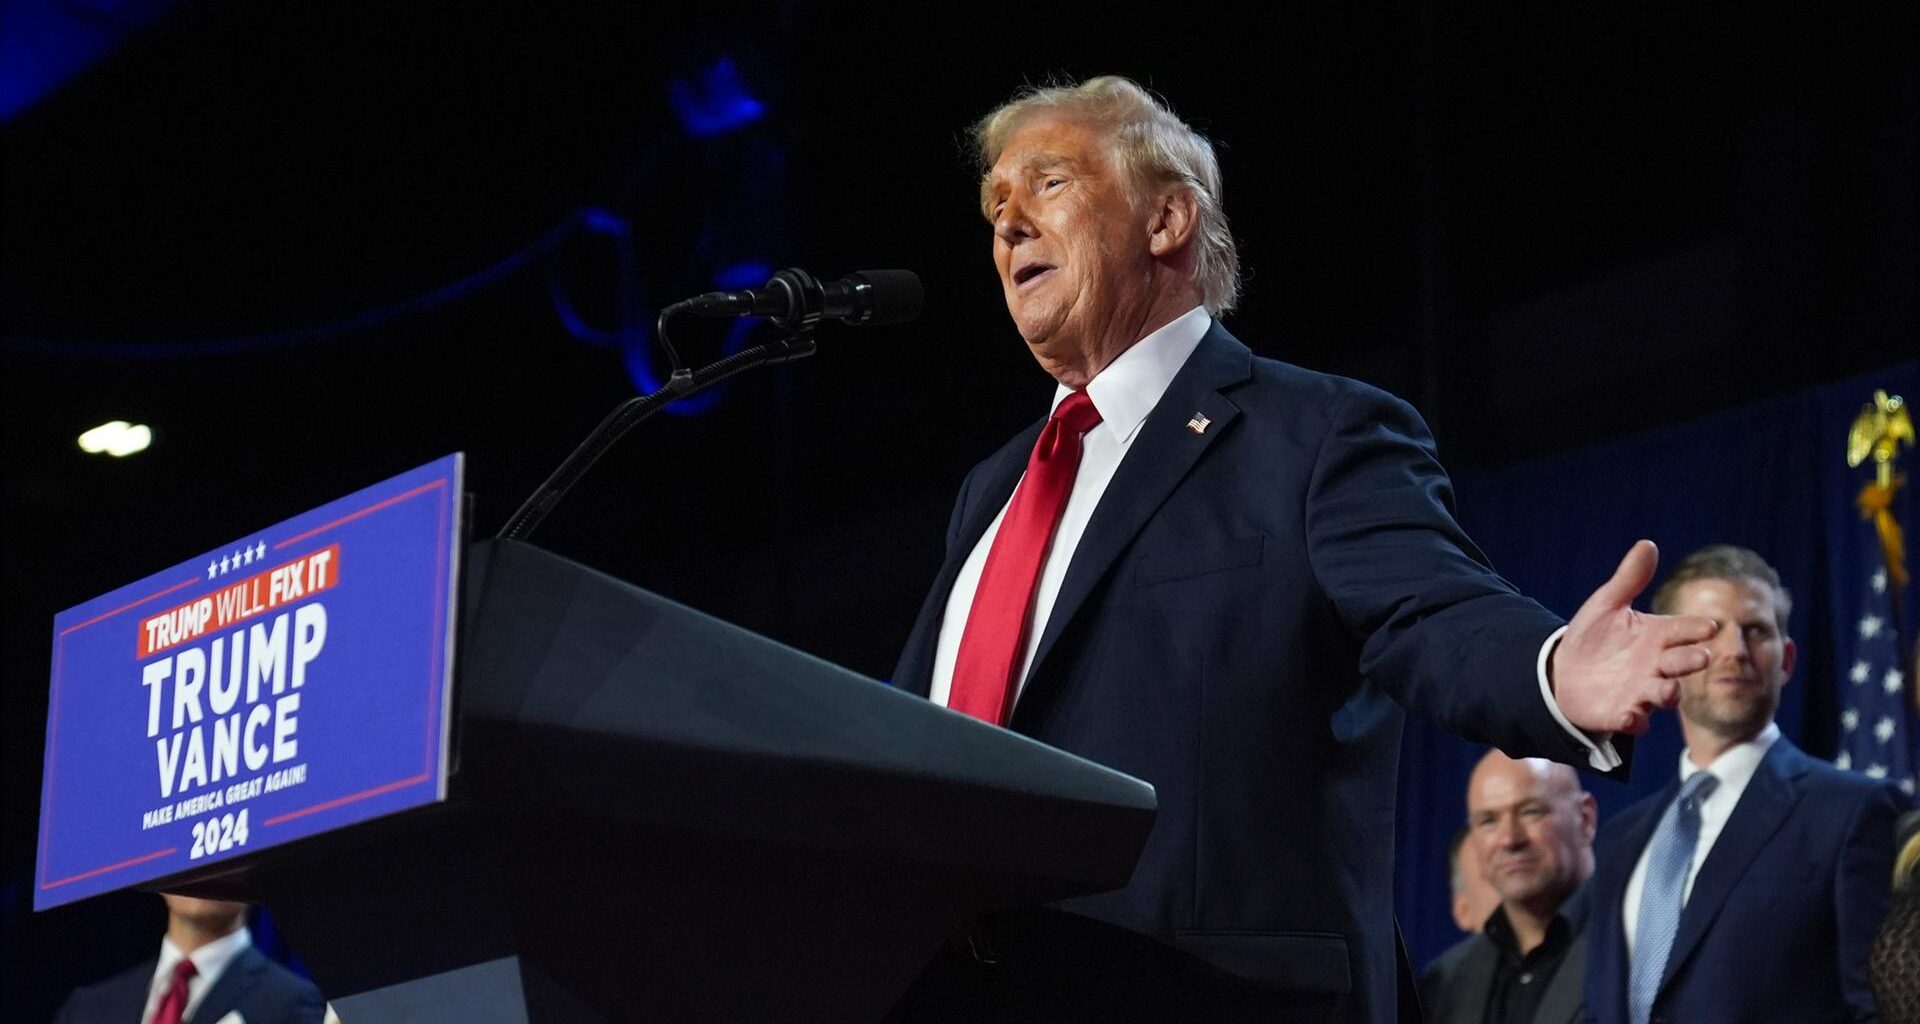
{"points": [[1751, 886]]}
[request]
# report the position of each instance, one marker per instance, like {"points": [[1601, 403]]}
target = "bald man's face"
{"points": [[1534, 828]]}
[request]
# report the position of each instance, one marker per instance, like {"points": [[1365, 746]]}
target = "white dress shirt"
{"points": [[1734, 769], [1124, 393], [209, 960]]}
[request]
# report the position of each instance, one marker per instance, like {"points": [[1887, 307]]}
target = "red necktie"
{"points": [[173, 1005], [995, 639]]}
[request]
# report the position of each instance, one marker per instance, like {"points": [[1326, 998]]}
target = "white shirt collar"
{"points": [[1736, 765], [1130, 386], [208, 961]]}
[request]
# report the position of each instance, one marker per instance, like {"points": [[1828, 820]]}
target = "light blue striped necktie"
{"points": [[1661, 896]]}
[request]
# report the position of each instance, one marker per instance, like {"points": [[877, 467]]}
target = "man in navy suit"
{"points": [[1779, 866], [207, 973], [1224, 575]]}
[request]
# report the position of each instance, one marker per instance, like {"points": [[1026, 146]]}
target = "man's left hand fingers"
{"points": [[1683, 661], [1687, 629]]}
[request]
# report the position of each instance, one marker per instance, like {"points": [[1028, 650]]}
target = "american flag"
{"points": [[1877, 728]]}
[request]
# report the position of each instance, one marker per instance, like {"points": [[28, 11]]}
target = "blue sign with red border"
{"points": [[292, 683]]}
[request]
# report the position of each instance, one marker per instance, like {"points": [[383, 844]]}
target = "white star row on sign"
{"points": [[1906, 786], [1883, 730], [243, 556], [1861, 670], [1844, 761], [1850, 719], [1870, 626], [1894, 680], [1876, 771], [1879, 581]]}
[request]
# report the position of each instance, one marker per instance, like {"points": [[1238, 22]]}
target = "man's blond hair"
{"points": [[1152, 148], [1731, 564]]}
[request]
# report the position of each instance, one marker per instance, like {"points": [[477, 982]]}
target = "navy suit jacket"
{"points": [[263, 991], [1784, 908], [1247, 612]]}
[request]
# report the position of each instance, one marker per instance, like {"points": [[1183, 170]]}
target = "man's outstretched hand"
{"points": [[1614, 666]]}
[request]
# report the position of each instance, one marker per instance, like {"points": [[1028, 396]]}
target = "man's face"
{"points": [[1069, 243], [1738, 693], [1534, 827], [213, 915], [1475, 897]]}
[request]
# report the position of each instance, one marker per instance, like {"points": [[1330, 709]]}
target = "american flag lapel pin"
{"points": [[1199, 423]]}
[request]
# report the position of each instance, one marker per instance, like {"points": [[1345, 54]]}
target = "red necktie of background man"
{"points": [[995, 639], [173, 1005]]}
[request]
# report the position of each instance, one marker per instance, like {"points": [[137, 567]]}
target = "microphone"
{"points": [[797, 300]]}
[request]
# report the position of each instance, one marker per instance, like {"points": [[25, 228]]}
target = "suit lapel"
{"points": [[1159, 458], [1560, 1003], [1764, 806], [1472, 985], [985, 496], [233, 983]]}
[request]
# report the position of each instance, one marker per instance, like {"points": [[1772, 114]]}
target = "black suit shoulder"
{"points": [[117, 998], [1441, 983], [1826, 788], [1271, 391], [1281, 388], [263, 991], [1832, 782]]}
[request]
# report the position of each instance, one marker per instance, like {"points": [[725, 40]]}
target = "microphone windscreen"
{"points": [[895, 296]]}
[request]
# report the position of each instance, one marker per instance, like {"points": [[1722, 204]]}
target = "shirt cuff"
{"points": [[1601, 756]]}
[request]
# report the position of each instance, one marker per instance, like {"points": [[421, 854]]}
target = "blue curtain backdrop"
{"points": [[1771, 477]]}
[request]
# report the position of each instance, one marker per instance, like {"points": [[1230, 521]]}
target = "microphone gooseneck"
{"points": [[794, 299]]}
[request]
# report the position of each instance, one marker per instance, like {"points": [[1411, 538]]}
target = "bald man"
{"points": [[1533, 827]]}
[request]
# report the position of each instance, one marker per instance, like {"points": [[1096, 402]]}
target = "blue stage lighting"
{"points": [[717, 103], [43, 43], [634, 342], [743, 275], [601, 221]]}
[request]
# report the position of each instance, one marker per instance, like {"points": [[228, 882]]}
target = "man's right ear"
{"points": [[1174, 215]]}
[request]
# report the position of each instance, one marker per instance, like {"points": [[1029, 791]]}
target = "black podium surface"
{"points": [[657, 815]]}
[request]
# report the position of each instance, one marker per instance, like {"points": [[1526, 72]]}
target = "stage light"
{"points": [[118, 438], [716, 102]]}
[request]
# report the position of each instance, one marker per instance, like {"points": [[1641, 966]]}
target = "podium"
{"points": [[655, 815]]}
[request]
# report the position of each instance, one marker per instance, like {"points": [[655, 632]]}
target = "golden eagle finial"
{"points": [[1878, 432]]}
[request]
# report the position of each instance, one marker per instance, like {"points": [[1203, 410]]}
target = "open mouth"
{"points": [[1029, 273]]}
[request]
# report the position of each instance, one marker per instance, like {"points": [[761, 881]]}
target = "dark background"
{"points": [[1546, 225]]}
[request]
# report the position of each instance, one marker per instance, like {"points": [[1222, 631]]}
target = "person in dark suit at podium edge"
{"points": [[1752, 886], [1225, 575], [207, 973]]}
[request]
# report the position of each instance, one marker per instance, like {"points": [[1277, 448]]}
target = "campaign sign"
{"points": [[294, 682]]}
